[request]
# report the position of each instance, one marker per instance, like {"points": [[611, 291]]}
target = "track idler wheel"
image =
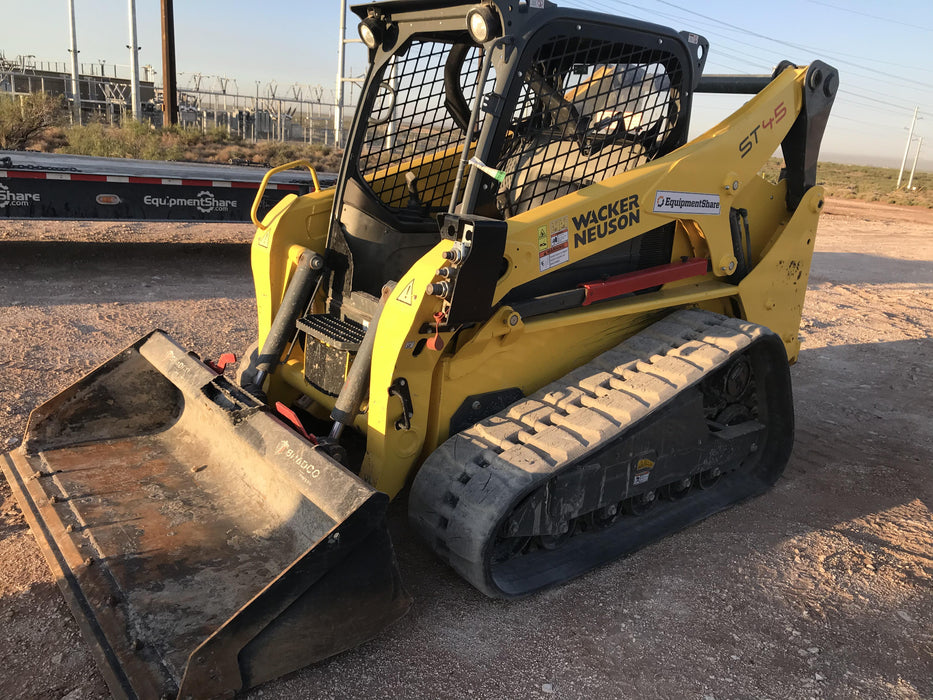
{"points": [[552, 542], [709, 478], [604, 517], [677, 489], [642, 503]]}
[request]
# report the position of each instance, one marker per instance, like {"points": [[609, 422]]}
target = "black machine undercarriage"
{"points": [[673, 425]]}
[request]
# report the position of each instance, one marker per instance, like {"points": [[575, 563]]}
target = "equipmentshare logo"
{"points": [[16, 199], [686, 203], [206, 202]]}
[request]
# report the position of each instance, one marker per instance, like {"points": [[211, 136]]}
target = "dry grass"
{"points": [[137, 140], [866, 182]]}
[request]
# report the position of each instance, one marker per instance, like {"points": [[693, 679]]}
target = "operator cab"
{"points": [[557, 100]]}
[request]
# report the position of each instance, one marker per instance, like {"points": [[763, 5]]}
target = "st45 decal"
{"points": [[750, 141]]}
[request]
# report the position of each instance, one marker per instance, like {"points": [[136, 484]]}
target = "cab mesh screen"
{"points": [[411, 128], [587, 109]]}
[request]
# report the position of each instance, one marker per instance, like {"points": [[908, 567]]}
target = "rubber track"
{"points": [[470, 484]]}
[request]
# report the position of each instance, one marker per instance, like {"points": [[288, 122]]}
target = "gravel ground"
{"points": [[821, 588]]}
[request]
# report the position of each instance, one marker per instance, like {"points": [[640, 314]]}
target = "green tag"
{"points": [[498, 175]]}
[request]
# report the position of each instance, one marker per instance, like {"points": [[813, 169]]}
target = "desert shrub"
{"points": [[231, 154], [24, 118], [50, 140], [93, 139]]}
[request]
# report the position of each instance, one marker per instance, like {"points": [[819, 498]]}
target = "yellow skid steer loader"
{"points": [[528, 301]]}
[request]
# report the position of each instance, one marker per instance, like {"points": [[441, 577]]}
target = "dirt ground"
{"points": [[821, 588]]}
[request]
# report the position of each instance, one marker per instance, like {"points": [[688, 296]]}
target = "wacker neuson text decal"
{"points": [[685, 203], [605, 220]]}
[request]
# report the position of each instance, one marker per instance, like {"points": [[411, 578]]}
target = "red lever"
{"points": [[228, 358], [437, 343], [289, 415]]}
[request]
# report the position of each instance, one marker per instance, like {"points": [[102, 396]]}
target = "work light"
{"points": [[483, 24], [371, 31]]}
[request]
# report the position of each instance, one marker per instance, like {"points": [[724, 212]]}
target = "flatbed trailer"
{"points": [[59, 186]]}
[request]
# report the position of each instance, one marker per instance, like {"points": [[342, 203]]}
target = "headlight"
{"points": [[483, 24], [371, 31]]}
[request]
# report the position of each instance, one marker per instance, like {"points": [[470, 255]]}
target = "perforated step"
{"points": [[341, 334]]}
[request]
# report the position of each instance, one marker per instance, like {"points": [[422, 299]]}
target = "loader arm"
{"points": [[631, 204]]}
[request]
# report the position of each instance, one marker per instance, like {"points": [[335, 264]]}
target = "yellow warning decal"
{"points": [[406, 296], [553, 248], [644, 464]]}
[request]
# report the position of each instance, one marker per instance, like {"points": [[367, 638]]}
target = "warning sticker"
{"points": [[556, 248], [643, 471], [686, 203], [406, 296]]}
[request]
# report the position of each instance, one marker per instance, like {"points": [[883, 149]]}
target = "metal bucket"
{"points": [[203, 546]]}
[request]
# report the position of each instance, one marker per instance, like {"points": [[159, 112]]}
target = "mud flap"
{"points": [[203, 546]]}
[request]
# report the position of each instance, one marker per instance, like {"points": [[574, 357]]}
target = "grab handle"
{"points": [[265, 180]]}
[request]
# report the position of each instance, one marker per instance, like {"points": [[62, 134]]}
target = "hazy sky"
{"points": [[883, 51]]}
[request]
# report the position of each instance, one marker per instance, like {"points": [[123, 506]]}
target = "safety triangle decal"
{"points": [[406, 295]]}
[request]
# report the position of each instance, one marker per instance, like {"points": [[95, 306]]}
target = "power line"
{"points": [[769, 59], [725, 26], [883, 102], [875, 17], [798, 47], [887, 103], [857, 121]]}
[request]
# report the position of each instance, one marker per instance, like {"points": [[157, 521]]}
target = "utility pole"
{"points": [[910, 136], [256, 112], [338, 109], [134, 62], [910, 181], [223, 87], [75, 85], [169, 87]]}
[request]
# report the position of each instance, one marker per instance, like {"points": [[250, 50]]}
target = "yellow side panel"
{"points": [[400, 353], [294, 221]]}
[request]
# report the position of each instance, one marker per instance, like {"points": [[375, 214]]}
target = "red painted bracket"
{"points": [[289, 415], [228, 358], [643, 279]]}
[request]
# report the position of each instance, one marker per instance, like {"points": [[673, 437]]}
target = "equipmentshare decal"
{"points": [[686, 203], [16, 199], [206, 202]]}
